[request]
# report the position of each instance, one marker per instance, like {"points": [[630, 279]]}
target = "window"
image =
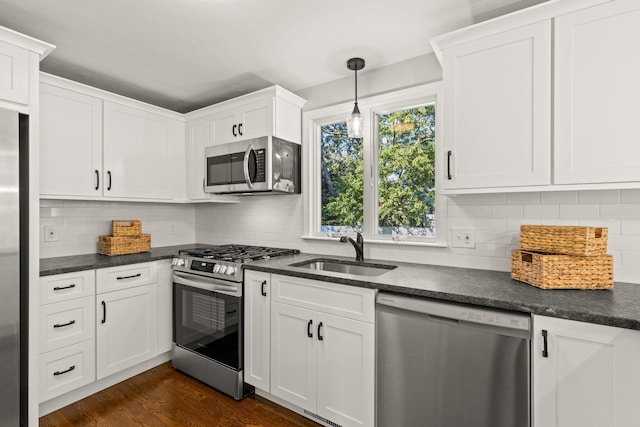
{"points": [[383, 185]]}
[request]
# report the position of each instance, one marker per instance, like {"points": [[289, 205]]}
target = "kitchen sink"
{"points": [[348, 267]]}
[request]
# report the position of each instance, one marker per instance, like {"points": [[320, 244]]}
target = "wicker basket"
{"points": [[131, 228], [550, 271], [565, 240], [116, 245]]}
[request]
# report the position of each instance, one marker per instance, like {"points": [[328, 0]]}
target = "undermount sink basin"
{"points": [[347, 267]]}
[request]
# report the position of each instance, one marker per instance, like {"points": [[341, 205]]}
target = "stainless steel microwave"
{"points": [[262, 165]]}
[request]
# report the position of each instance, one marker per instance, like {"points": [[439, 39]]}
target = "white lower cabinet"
{"points": [[321, 343], [66, 333], [126, 316], [584, 375]]}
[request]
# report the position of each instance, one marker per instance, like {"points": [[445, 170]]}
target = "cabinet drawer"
{"points": [[67, 369], [331, 298], [126, 276], [62, 287], [65, 323]]}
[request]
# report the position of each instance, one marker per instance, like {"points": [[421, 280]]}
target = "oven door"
{"points": [[208, 323]]}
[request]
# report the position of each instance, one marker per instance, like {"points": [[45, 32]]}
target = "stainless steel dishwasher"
{"points": [[450, 365]]}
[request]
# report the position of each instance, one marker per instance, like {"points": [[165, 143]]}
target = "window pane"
{"points": [[406, 172], [342, 180]]}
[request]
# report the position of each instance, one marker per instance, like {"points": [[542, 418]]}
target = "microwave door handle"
{"points": [[247, 178]]}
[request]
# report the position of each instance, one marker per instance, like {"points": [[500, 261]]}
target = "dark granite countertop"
{"points": [[68, 264], [617, 307]]}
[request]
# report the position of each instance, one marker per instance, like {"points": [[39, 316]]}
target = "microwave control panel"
{"points": [[260, 165]]}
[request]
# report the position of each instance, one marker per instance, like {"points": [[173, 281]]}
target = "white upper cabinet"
{"points": [[497, 109], [14, 73], [70, 143], [95, 145], [199, 133], [503, 130], [142, 152], [597, 87], [246, 121]]}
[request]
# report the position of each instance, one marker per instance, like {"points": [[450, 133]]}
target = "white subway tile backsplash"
{"points": [[523, 198], [507, 211], [491, 199], [559, 197], [622, 210], [580, 211], [630, 196], [630, 226], [541, 211], [599, 196]]}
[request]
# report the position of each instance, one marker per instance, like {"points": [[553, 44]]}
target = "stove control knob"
{"points": [[216, 268], [223, 269], [180, 262], [231, 271]]}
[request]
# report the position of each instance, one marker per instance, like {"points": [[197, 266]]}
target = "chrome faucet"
{"points": [[358, 244]]}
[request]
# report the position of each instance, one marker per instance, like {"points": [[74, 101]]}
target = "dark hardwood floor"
{"points": [[162, 397]]}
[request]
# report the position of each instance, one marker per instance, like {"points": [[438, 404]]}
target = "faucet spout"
{"points": [[358, 245]]}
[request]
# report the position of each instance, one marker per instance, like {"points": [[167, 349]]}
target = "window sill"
{"points": [[382, 241]]}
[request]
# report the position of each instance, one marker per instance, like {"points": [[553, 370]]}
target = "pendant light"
{"points": [[355, 122]]}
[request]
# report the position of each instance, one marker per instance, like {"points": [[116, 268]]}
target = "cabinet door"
{"points": [[141, 153], [589, 378], [199, 136], [597, 64], [70, 143], [256, 119], [165, 307], [293, 355], [126, 328], [225, 126], [257, 325], [14, 73], [497, 110], [345, 371]]}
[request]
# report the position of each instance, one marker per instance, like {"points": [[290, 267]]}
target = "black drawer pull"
{"points": [[129, 277], [104, 312], [320, 337], [59, 288], [71, 368], [309, 333], [62, 325], [545, 349], [262, 291]]}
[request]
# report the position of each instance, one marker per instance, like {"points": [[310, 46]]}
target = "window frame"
{"points": [[370, 107]]}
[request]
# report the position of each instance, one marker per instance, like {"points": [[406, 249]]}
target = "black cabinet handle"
{"points": [[109, 175], [128, 277], [231, 312], [59, 288], [262, 291], [97, 179], [233, 130], [104, 312], [71, 368], [320, 338], [309, 333], [449, 164], [240, 129], [62, 325], [545, 349]]}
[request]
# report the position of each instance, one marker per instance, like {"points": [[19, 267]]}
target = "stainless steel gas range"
{"points": [[208, 313]]}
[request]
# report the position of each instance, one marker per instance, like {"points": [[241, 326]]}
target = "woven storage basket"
{"points": [[116, 245], [550, 271], [131, 228], [566, 240]]}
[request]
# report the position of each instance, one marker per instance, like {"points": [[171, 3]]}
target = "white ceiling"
{"points": [[186, 54]]}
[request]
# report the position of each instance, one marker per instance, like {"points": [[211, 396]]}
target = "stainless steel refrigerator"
{"points": [[13, 267]]}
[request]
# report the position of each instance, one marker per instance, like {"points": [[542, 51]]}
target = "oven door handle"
{"points": [[247, 154], [204, 283]]}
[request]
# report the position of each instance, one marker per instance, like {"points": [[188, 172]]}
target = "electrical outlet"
{"points": [[50, 233], [463, 238]]}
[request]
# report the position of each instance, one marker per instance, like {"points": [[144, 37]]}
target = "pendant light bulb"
{"points": [[355, 122]]}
